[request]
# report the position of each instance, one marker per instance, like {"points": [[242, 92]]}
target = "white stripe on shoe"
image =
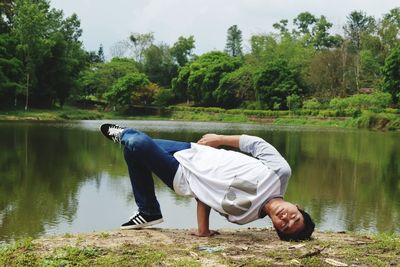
{"points": [[141, 219], [137, 221]]}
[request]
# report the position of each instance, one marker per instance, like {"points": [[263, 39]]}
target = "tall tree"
{"points": [[275, 82], [304, 22], [315, 31], [30, 25], [389, 30], [10, 71], [358, 25], [6, 14], [234, 41], [199, 79], [321, 37], [281, 26], [182, 50], [100, 53], [140, 43], [391, 74], [158, 64], [99, 78]]}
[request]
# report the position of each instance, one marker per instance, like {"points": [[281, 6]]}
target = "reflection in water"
{"points": [[57, 178]]}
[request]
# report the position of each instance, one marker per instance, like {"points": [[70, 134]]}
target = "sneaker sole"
{"points": [[138, 226]]}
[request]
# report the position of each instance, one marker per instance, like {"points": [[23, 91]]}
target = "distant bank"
{"points": [[388, 120]]}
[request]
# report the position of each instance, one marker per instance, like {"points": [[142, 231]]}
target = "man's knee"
{"points": [[136, 142]]}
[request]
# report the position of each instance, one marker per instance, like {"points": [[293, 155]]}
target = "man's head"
{"points": [[290, 222]]}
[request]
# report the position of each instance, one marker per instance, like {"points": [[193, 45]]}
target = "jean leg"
{"points": [[142, 185], [143, 156], [172, 146]]}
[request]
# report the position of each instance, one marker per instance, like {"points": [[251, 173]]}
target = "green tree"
{"points": [[391, 74], [199, 79], [10, 71], [304, 22], [293, 102], [236, 87], [158, 64], [321, 37], [234, 41], [128, 87], [370, 68], [272, 48], [46, 42], [262, 45], [140, 43], [182, 50], [29, 27], [6, 14], [100, 53], [389, 30], [325, 76], [99, 78], [358, 26], [281, 26], [315, 31], [275, 82]]}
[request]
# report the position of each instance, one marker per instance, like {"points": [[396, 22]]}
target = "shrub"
{"points": [[293, 101], [312, 104], [376, 101]]}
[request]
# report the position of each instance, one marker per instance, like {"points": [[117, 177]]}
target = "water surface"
{"points": [[67, 178]]}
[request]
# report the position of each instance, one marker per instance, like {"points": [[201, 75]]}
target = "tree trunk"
{"points": [[358, 71], [344, 59], [27, 92]]}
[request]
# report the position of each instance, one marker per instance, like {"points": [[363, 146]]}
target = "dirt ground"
{"points": [[244, 247]]}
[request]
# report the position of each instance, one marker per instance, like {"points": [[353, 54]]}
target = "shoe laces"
{"points": [[115, 132]]}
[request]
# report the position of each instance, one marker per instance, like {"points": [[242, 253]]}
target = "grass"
{"points": [[351, 249], [57, 114]]}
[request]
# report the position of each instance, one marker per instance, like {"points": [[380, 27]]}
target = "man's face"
{"points": [[287, 218]]}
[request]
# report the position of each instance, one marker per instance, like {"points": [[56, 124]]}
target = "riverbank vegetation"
{"points": [[301, 74], [247, 247]]}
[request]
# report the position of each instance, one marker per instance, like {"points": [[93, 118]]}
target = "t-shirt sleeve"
{"points": [[266, 153]]}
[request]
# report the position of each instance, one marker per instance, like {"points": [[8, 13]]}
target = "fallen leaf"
{"points": [[295, 262], [335, 262], [297, 246]]}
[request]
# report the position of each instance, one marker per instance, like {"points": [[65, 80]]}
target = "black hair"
{"points": [[304, 234]]}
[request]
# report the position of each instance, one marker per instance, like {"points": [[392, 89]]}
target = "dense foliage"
{"points": [[43, 63]]}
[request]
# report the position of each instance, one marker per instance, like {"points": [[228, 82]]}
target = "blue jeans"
{"points": [[145, 155]]}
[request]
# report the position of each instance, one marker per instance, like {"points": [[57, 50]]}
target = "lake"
{"points": [[60, 178]]}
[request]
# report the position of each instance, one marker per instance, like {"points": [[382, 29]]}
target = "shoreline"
{"points": [[173, 247], [370, 121]]}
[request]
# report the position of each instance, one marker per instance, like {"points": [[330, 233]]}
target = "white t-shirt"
{"points": [[232, 183]]}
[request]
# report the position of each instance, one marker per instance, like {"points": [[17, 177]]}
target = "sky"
{"points": [[108, 22]]}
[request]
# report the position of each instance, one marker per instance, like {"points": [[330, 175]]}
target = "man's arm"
{"points": [[203, 215], [253, 145], [216, 140]]}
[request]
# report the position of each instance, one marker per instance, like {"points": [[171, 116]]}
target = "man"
{"points": [[241, 187]]}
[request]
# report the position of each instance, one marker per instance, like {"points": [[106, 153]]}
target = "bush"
{"points": [[293, 102], [163, 97], [312, 104], [376, 101]]}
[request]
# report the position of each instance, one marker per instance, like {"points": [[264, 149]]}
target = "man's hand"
{"points": [[205, 234], [203, 215], [216, 140], [213, 140]]}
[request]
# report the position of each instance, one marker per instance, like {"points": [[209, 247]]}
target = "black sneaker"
{"points": [[140, 220], [112, 132]]}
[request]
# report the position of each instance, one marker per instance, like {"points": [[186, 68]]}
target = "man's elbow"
{"points": [[285, 171]]}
